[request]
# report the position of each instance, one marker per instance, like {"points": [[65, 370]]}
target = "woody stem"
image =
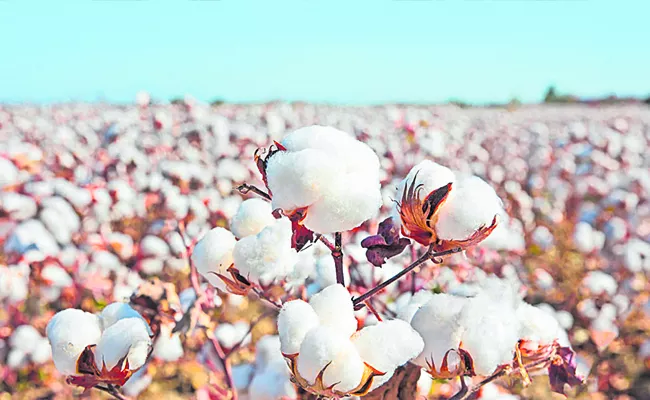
{"points": [[430, 254], [337, 254], [112, 391]]}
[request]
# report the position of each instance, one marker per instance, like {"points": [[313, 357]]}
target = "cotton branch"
{"points": [[337, 254], [112, 390], [225, 362], [246, 188], [429, 255]]}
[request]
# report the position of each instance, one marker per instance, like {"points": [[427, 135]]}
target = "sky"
{"points": [[335, 51]]}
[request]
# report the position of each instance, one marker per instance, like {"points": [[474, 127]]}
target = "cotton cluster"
{"points": [[326, 352], [27, 344], [487, 326], [587, 239], [328, 172], [119, 339]]}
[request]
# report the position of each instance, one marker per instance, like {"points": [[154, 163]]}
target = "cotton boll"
{"points": [[267, 256], [345, 205], [24, 338], [153, 246], [407, 311], [388, 344], [252, 216], [637, 255], [295, 320], [168, 347], [9, 173], [151, 266], [117, 311], [438, 323], [298, 179], [56, 276], [267, 351], [334, 308], [472, 203], [18, 206], [231, 334], [321, 346], [128, 338], [599, 282], [345, 371], [69, 332], [213, 255], [537, 325], [271, 385], [41, 352], [430, 175]]}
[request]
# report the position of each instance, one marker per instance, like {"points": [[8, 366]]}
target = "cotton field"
{"points": [[297, 251]]}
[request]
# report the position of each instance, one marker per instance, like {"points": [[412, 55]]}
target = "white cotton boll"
{"points": [[334, 308], [407, 311], [298, 179], [537, 325], [320, 347], [153, 246], [28, 233], [168, 347], [296, 318], [637, 255], [128, 338], [42, 352], [543, 237], [599, 282], [151, 266], [121, 243], [9, 174], [267, 351], [430, 175], [271, 385], [345, 371], [57, 276], [438, 324], [345, 204], [18, 206], [117, 311], [472, 203], [231, 334], [267, 256], [24, 338], [16, 359], [388, 344], [252, 216], [587, 239], [137, 383], [69, 332], [213, 255]]}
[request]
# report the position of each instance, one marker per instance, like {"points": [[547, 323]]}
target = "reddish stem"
{"points": [[337, 254], [227, 368], [430, 254], [111, 390]]}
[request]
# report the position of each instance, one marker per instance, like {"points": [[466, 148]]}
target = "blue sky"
{"points": [[354, 51]]}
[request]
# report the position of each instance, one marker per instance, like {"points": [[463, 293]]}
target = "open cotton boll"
{"points": [[388, 344], [472, 203], [295, 320], [18, 206], [267, 351], [297, 179], [321, 346], [118, 311], [168, 347], [57, 276], [345, 204], [153, 246], [430, 175], [213, 255], [252, 216], [599, 282], [345, 371], [69, 332], [438, 323], [128, 338], [408, 310], [637, 255], [9, 173], [271, 384], [267, 256], [24, 338], [334, 308], [231, 334], [587, 239], [537, 325]]}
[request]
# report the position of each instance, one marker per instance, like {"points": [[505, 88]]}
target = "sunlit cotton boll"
{"points": [[267, 256], [213, 255], [472, 204], [328, 171], [252, 216], [168, 347], [334, 308], [127, 339], [117, 311], [296, 318], [27, 344], [69, 332], [599, 282]]}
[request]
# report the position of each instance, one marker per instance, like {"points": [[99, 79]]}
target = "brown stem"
{"points": [[227, 368], [430, 254], [246, 188], [111, 390], [337, 254]]}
